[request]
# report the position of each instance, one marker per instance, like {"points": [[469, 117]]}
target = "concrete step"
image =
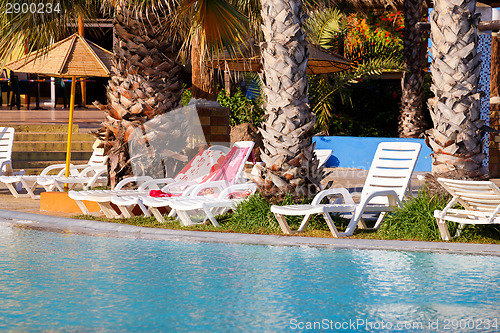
{"points": [[41, 128], [49, 156], [35, 167], [51, 136], [46, 146]]}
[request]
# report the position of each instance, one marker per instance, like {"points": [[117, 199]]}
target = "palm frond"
{"points": [[28, 31], [220, 25], [326, 28]]}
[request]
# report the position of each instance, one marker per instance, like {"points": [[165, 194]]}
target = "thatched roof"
{"points": [[320, 61], [73, 56]]}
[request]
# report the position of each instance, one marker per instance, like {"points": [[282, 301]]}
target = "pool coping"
{"points": [[108, 229]]}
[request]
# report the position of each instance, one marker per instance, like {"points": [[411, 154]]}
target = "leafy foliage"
{"points": [[371, 54], [243, 109], [415, 220]]}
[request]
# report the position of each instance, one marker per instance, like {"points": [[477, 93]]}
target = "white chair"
{"points": [[229, 198], [480, 200], [193, 172], [323, 155], [385, 186], [47, 179], [229, 173], [90, 174], [6, 143]]}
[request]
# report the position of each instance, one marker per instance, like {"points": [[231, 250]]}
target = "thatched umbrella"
{"points": [[71, 57], [320, 61]]}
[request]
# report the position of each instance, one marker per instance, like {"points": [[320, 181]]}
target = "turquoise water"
{"points": [[60, 282]]}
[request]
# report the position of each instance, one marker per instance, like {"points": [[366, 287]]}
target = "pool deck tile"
{"points": [[107, 229]]}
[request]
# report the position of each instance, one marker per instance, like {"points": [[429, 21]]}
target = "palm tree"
{"points": [[412, 120], [456, 136], [145, 78], [290, 163]]}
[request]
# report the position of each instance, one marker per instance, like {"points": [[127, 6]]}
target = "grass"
{"points": [[413, 221]]}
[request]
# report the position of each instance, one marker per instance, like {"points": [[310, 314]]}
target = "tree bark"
{"points": [[455, 109], [412, 120], [290, 163]]}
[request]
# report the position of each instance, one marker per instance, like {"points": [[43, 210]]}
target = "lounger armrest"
{"points": [[251, 187], [153, 184], [196, 190], [99, 172], [52, 167], [342, 191], [7, 164], [139, 179], [450, 204], [391, 195], [173, 186]]}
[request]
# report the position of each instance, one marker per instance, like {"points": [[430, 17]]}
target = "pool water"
{"points": [[63, 282]]}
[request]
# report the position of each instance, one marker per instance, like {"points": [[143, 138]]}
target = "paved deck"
{"points": [[88, 118]]}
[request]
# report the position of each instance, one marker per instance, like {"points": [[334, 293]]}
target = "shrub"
{"points": [[243, 110], [415, 220]]}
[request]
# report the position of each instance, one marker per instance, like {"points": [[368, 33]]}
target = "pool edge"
{"points": [[108, 229]]}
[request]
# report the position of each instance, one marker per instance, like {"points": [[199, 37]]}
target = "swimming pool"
{"points": [[71, 282]]}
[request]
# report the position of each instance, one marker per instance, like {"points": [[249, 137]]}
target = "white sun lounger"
{"points": [[192, 173], [230, 173], [229, 198], [480, 200], [6, 144], [385, 186], [46, 179]]}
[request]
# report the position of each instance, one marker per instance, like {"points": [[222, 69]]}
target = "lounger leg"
{"points": [[283, 224], [184, 217], [331, 225], [82, 207], [157, 214], [30, 189], [126, 211], [379, 220], [13, 189], [145, 211], [108, 210], [304, 223], [443, 229], [211, 216], [362, 224]]}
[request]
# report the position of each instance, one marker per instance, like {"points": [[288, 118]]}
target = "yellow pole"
{"points": [[83, 84], [70, 126]]}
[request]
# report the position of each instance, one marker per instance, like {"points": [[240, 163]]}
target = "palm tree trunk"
{"points": [[203, 78], [412, 120], [145, 82], [455, 109], [290, 163]]}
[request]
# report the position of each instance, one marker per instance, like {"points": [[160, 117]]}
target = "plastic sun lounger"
{"points": [[385, 186], [94, 172], [229, 173], [45, 179], [196, 169], [323, 155], [229, 198], [480, 200], [6, 143]]}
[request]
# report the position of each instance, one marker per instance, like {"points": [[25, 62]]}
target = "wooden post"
{"points": [[83, 84], [494, 159], [70, 127]]}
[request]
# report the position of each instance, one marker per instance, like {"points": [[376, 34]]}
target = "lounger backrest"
{"points": [[473, 195], [204, 163], [6, 142], [391, 169], [98, 158], [231, 168]]}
